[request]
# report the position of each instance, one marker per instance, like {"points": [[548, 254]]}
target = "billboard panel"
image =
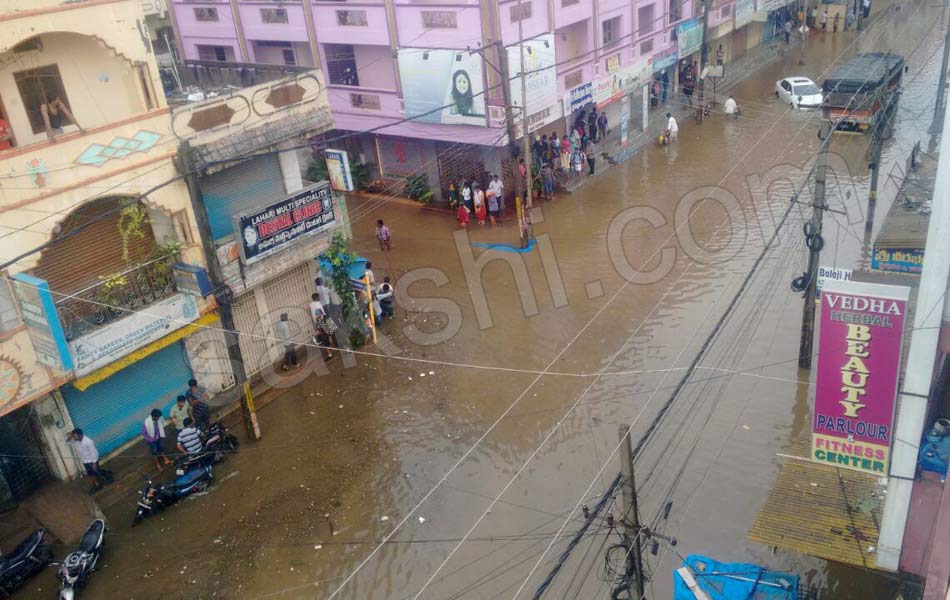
{"points": [[859, 359], [541, 78], [745, 10], [442, 86]]}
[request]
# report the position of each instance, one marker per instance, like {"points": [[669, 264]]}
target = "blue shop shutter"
{"points": [[111, 412], [241, 188]]}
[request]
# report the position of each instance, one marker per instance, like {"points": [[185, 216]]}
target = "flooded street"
{"points": [[470, 449]]}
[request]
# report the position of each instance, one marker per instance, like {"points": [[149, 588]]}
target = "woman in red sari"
{"points": [[462, 215]]}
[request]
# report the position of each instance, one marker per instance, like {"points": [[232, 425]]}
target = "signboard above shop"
{"points": [[689, 37], [541, 78], [42, 321], [859, 358], [272, 228], [113, 341], [577, 98]]}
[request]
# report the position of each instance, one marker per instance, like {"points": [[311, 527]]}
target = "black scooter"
{"points": [[79, 564], [29, 558]]}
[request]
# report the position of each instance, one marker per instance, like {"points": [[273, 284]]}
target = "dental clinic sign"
{"points": [[859, 357]]}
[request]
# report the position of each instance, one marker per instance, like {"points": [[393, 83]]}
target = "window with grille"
{"points": [[646, 47], [205, 14], [611, 31], [37, 87], [572, 80], [726, 11], [439, 19], [290, 59], [675, 12], [341, 64], [274, 15], [351, 18], [218, 53], [365, 101], [565, 3], [645, 19], [520, 11]]}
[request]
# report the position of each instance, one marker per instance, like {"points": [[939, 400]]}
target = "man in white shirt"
{"points": [[672, 128], [496, 187], [282, 329], [88, 455], [731, 108]]}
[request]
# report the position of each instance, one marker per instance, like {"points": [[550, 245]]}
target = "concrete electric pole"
{"points": [[223, 294], [630, 519], [814, 241]]}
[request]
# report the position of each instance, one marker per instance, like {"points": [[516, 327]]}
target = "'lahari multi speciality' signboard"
{"points": [[859, 357], [270, 229]]}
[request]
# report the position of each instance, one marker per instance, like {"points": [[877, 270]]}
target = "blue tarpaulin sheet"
{"points": [[357, 269], [734, 581]]}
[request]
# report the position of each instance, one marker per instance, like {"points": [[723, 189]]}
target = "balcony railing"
{"points": [[116, 296]]}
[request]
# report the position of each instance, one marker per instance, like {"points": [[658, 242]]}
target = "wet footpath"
{"points": [[451, 460]]}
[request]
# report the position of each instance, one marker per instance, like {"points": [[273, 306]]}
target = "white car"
{"points": [[798, 92]]}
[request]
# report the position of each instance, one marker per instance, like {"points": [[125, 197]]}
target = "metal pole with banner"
{"points": [[859, 359]]}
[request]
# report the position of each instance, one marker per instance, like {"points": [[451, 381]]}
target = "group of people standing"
{"points": [[474, 202], [190, 415]]}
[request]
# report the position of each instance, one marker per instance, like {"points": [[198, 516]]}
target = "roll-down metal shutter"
{"points": [[111, 412]]}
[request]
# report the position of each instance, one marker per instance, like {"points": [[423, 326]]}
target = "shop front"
{"points": [[130, 366], [620, 96], [268, 263], [689, 45], [664, 65]]}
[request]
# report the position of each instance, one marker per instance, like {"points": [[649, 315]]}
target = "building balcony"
{"points": [[244, 119], [365, 100], [439, 26], [273, 21], [116, 296], [84, 159], [343, 23]]}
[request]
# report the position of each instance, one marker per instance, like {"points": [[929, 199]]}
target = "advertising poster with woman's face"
{"points": [[442, 86]]}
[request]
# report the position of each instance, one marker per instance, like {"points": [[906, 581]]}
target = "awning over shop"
{"points": [[98, 375], [823, 511]]}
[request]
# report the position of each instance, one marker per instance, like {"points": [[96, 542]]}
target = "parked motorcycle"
{"points": [[218, 443], [29, 558], [79, 564], [156, 497]]}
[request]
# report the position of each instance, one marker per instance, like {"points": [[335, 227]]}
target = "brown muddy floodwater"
{"points": [[417, 452]]}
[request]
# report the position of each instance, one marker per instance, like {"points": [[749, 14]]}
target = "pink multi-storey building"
{"points": [[393, 65]]}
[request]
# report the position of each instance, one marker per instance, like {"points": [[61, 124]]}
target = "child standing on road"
{"points": [[462, 215], [384, 235]]}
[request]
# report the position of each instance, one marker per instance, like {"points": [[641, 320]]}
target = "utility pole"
{"points": [[630, 518], [223, 294], [873, 155], [703, 57], [804, 29], [814, 243], [526, 141], [939, 107]]}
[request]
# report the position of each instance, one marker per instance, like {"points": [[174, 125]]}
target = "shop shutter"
{"points": [[75, 263], [22, 465], [247, 321], [289, 293], [241, 188], [111, 412]]}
